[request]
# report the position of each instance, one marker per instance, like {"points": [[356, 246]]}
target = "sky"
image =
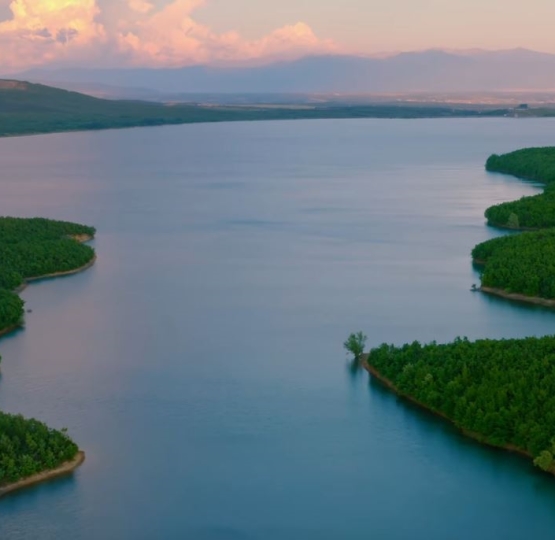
{"points": [[174, 33]]}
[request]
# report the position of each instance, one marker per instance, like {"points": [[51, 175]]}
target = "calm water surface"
{"points": [[200, 362]]}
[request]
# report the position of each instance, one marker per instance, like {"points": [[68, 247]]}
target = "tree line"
{"points": [[536, 164], [28, 447], [34, 108], [523, 263], [31, 248], [501, 390]]}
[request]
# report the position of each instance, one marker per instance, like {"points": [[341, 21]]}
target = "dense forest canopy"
{"points": [[534, 212], [522, 263], [28, 447], [536, 164], [501, 390], [32, 248]]}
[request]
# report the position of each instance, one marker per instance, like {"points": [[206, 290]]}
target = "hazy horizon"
{"points": [[429, 72]]}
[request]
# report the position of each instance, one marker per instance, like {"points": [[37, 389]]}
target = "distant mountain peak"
{"points": [[432, 70]]}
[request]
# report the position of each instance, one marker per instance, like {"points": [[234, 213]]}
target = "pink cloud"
{"points": [[44, 31], [134, 32], [141, 6]]}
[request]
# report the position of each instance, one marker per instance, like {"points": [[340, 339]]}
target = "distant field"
{"points": [[27, 108]]}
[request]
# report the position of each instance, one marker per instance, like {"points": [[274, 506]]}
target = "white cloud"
{"points": [[135, 32]]}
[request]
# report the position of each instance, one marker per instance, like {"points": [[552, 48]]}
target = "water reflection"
{"points": [[519, 305], [36, 493], [355, 369], [431, 427], [179, 361]]}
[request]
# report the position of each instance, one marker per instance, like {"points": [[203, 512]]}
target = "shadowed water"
{"points": [[199, 363]]}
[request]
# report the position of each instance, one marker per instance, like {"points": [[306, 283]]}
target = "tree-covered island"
{"points": [[32, 249], [500, 392]]}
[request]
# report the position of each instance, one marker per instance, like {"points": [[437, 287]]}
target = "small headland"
{"points": [[86, 266], [365, 363], [518, 267], [34, 249], [527, 213], [515, 297], [497, 392], [64, 469]]}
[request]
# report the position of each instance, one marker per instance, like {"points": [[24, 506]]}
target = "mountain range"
{"points": [[426, 71]]}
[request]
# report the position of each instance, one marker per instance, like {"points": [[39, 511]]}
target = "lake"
{"points": [[199, 363]]}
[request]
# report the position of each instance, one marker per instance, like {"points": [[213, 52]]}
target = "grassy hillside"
{"points": [[27, 108]]}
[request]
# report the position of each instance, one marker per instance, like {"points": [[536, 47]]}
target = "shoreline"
{"points": [[515, 297], [364, 362], [10, 329], [69, 466], [518, 297], [64, 469], [61, 274], [82, 239], [495, 225], [229, 121]]}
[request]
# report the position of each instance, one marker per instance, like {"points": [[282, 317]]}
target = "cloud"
{"points": [[172, 37], [289, 41], [135, 32], [140, 6], [40, 31]]}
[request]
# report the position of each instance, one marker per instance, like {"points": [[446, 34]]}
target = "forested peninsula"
{"points": [[500, 392], [33, 249]]}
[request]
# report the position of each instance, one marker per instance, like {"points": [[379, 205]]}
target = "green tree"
{"points": [[544, 461], [513, 222], [355, 344], [30, 248]]}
